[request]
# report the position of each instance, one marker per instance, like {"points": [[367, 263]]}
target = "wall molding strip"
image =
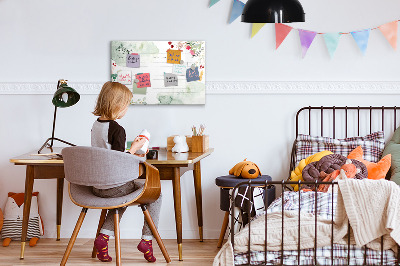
{"points": [[231, 87]]}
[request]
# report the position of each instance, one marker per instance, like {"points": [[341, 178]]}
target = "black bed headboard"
{"points": [[347, 112], [344, 121]]}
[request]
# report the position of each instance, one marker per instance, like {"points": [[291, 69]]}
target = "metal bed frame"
{"points": [[283, 184]]}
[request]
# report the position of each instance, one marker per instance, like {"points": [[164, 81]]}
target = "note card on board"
{"points": [[179, 69], [174, 56], [170, 80], [133, 60], [125, 77], [192, 74], [144, 80]]}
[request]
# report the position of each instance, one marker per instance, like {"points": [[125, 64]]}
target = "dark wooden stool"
{"points": [[226, 183]]}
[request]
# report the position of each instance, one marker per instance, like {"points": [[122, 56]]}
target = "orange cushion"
{"points": [[375, 170]]}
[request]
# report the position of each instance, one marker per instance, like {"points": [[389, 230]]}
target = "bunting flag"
{"points": [[281, 31], [306, 39], [332, 41], [213, 2], [361, 37], [389, 30], [256, 28], [237, 9]]}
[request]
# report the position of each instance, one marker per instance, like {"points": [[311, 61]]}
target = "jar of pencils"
{"points": [[200, 143], [199, 140]]}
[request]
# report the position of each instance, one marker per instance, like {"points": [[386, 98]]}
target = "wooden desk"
{"points": [[40, 167], [169, 165]]}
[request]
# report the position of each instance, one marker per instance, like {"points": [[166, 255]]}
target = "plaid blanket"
{"points": [[340, 254], [323, 205], [306, 201]]}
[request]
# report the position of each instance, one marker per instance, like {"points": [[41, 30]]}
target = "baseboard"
{"points": [[231, 87]]}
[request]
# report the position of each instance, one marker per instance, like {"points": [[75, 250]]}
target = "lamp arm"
{"points": [[54, 126], [55, 116]]}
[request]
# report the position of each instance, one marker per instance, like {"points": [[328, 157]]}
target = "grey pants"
{"points": [[154, 208]]}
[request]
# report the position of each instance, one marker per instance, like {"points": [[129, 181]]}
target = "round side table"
{"points": [[226, 183]]}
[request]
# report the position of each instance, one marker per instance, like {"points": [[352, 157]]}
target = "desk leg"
{"points": [[176, 182], [27, 206], [60, 190], [199, 204]]}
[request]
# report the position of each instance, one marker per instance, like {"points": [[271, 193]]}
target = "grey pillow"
{"points": [[393, 148]]}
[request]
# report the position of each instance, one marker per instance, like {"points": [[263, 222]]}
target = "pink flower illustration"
{"points": [[191, 52], [188, 47]]}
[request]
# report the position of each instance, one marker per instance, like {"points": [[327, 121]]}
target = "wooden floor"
{"points": [[50, 252]]}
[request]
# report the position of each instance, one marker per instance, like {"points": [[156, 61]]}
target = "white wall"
{"points": [[43, 41]]}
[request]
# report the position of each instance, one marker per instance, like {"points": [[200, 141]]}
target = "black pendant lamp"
{"points": [[273, 11]]}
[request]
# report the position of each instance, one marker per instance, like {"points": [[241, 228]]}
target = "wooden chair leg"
{"points": [[154, 230], [117, 238], [101, 222], [73, 237], [223, 229]]}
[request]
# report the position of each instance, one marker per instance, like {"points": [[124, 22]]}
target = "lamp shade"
{"points": [[273, 11], [65, 96]]}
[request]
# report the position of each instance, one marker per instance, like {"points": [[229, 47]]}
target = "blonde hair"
{"points": [[112, 99]]}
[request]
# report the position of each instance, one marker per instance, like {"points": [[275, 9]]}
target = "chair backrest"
{"points": [[92, 166]]}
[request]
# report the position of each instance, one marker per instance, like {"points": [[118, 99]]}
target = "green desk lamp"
{"points": [[65, 96]]}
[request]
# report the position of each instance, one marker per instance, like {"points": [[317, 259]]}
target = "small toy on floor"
{"points": [[13, 215]]}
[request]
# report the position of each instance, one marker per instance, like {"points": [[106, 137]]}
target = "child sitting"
{"points": [[112, 103]]}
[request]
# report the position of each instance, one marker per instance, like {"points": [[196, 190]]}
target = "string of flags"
{"points": [[361, 37]]}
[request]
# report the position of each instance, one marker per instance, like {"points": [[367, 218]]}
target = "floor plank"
{"points": [[49, 252]]}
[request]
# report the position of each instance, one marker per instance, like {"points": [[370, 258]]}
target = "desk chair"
{"points": [[85, 167]]}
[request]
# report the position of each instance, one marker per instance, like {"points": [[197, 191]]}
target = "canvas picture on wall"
{"points": [[160, 72]]}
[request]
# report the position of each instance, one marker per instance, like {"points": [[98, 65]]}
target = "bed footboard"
{"points": [[312, 259]]}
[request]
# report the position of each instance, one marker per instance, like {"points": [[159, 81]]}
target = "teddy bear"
{"points": [[13, 215], [180, 144], [245, 169]]}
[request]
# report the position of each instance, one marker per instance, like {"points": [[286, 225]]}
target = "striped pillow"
{"points": [[372, 145]]}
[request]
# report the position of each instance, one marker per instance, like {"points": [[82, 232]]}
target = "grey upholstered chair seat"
{"points": [[83, 196]]}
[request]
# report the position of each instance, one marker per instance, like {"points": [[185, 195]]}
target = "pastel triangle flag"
{"points": [[361, 37], [389, 30], [332, 41], [281, 31], [237, 9], [256, 28], [213, 2], [306, 39]]}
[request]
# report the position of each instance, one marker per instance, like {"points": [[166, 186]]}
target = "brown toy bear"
{"points": [[245, 169]]}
